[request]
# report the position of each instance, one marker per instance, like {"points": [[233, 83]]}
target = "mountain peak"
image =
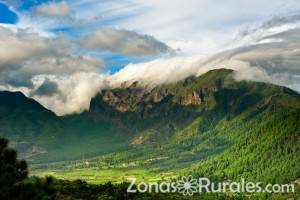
{"points": [[17, 100]]}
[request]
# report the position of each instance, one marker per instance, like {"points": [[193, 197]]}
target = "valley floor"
{"points": [[97, 175]]}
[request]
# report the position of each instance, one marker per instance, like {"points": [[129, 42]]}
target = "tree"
{"points": [[12, 170]]}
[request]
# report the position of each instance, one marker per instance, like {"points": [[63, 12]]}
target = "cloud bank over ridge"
{"points": [[272, 55]]}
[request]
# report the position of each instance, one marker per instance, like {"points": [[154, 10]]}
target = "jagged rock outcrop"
{"points": [[191, 99], [196, 91]]}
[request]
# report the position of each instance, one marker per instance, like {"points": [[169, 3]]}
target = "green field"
{"points": [[100, 175]]}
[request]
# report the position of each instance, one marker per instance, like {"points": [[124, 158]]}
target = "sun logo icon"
{"points": [[187, 186]]}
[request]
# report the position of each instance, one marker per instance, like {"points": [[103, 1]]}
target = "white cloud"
{"points": [[156, 72], [54, 9], [72, 92], [20, 45], [29, 52], [125, 42]]}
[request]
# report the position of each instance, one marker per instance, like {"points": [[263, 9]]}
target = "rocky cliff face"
{"points": [[124, 99], [192, 99], [135, 98], [198, 97]]}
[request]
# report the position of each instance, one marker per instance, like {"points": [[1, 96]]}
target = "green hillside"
{"points": [[40, 136]]}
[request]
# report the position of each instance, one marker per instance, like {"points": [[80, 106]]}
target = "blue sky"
{"points": [[6, 15]]}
